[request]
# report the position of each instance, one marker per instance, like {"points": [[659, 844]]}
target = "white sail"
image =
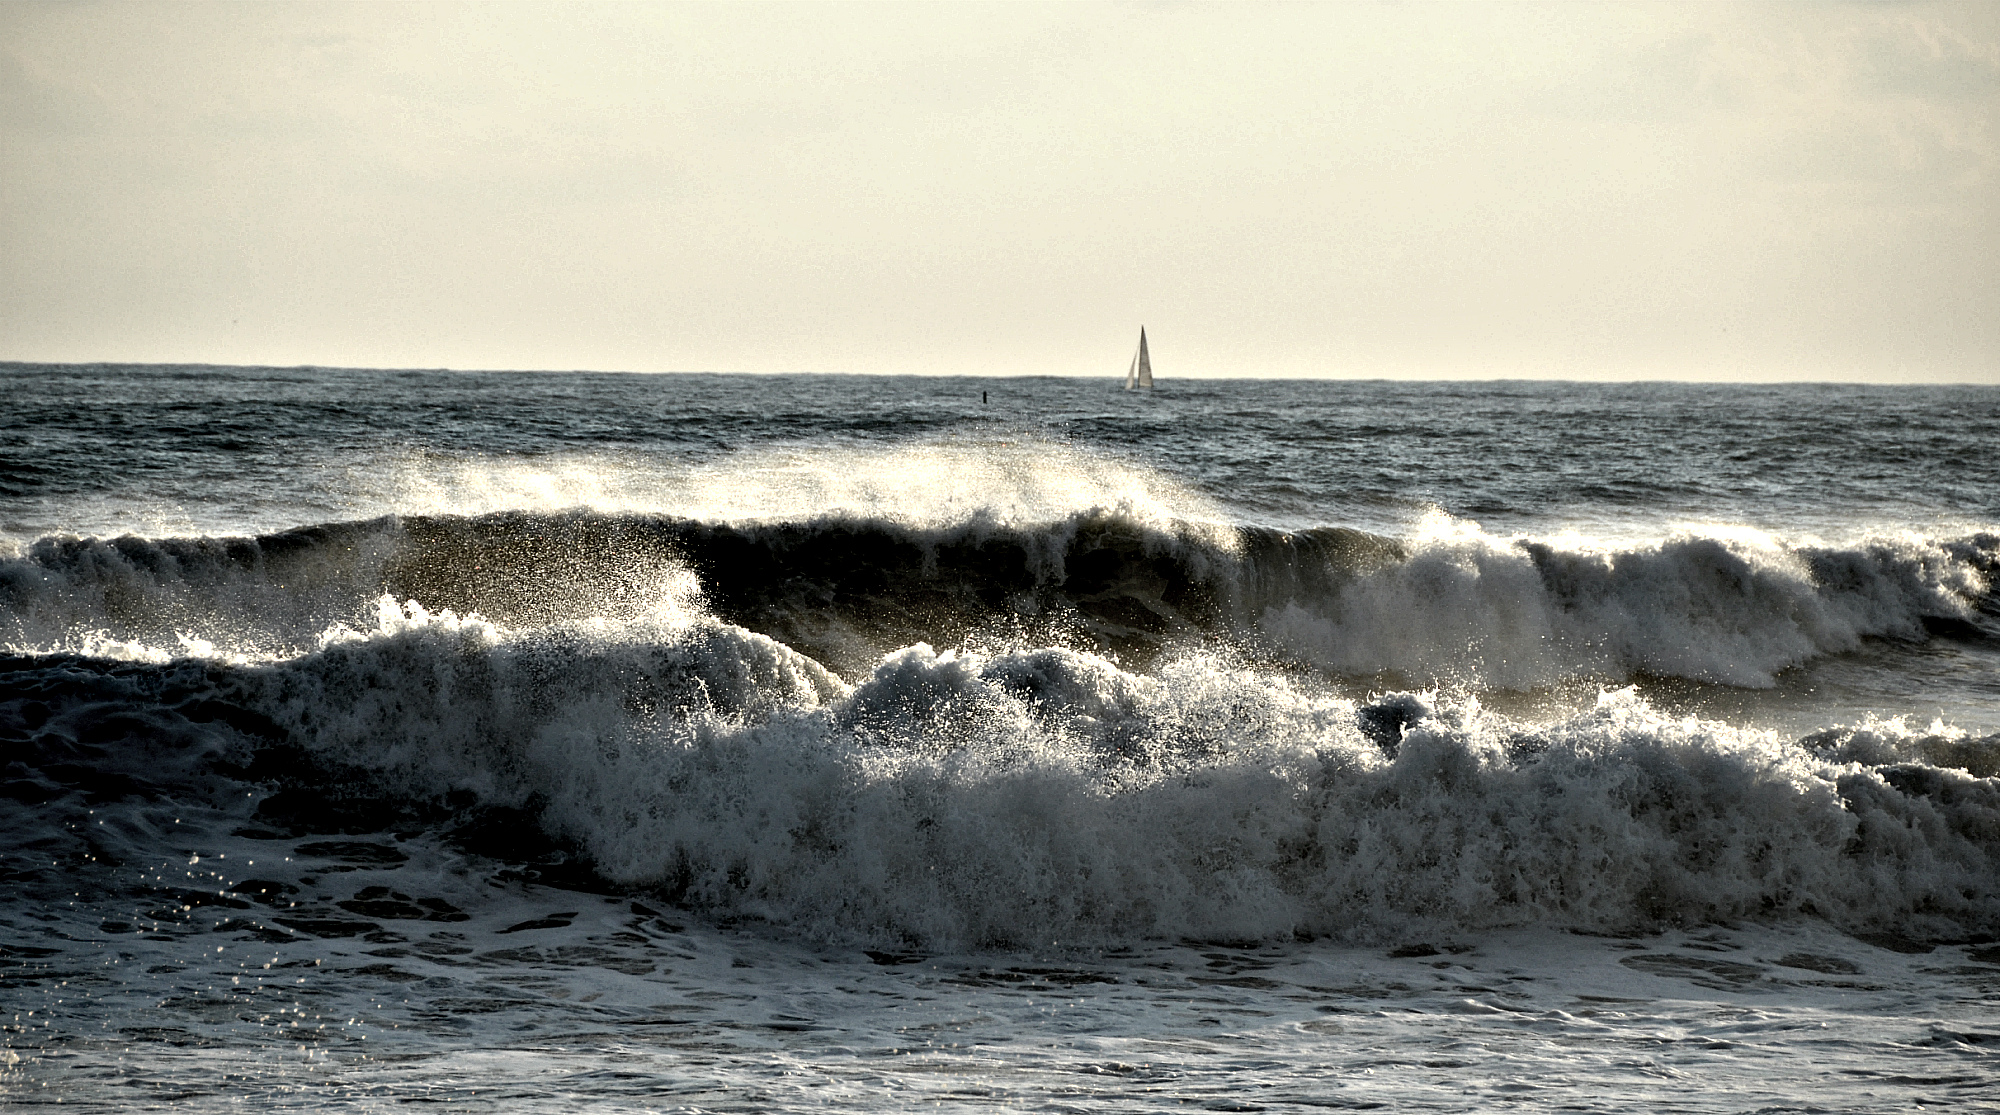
{"points": [[1141, 372]]}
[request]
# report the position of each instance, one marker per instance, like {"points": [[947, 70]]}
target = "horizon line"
{"points": [[1733, 380]]}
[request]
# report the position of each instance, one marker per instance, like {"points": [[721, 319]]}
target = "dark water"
{"points": [[1513, 455], [557, 740]]}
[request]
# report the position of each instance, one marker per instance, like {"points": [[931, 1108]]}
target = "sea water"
{"points": [[551, 741]]}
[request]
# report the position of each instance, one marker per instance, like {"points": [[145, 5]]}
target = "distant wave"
{"points": [[1451, 605]]}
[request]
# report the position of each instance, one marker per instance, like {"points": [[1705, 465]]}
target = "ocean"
{"points": [[576, 741]]}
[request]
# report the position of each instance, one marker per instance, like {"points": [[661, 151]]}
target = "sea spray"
{"points": [[1452, 605], [978, 800]]}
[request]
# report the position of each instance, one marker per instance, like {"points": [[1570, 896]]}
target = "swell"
{"points": [[1452, 605]]}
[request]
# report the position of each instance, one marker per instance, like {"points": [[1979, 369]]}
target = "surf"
{"points": [[1007, 799], [1448, 604]]}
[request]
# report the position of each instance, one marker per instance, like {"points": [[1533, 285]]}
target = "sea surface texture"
{"points": [[566, 741]]}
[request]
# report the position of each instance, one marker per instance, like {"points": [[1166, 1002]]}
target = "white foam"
{"points": [[969, 799], [1459, 606], [1519, 612], [941, 484]]}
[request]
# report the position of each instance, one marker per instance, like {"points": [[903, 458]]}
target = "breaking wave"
{"points": [[1028, 797], [1449, 605], [1142, 723]]}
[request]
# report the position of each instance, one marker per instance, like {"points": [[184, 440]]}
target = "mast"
{"points": [[1141, 372]]}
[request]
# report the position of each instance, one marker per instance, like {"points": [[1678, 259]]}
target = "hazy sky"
{"points": [[1582, 190]]}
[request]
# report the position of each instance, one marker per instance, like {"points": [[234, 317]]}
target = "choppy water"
{"points": [[545, 741]]}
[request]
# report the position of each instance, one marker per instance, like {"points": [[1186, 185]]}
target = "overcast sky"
{"points": [[1692, 191]]}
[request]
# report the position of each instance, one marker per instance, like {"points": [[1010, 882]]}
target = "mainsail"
{"points": [[1141, 374]]}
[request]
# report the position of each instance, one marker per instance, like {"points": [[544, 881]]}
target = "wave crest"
{"points": [[1449, 607]]}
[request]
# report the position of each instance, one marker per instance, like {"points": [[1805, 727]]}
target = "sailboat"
{"points": [[1141, 374]]}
